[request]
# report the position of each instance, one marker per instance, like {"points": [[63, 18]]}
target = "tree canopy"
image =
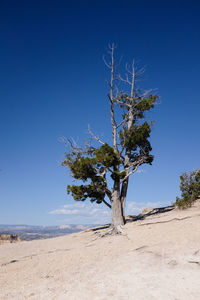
{"points": [[190, 188], [120, 157]]}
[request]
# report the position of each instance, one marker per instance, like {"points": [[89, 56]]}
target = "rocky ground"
{"points": [[9, 238], [157, 258]]}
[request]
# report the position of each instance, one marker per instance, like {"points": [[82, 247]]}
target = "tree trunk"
{"points": [[117, 210], [124, 194]]}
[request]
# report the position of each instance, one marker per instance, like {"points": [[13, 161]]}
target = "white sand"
{"points": [[158, 259]]}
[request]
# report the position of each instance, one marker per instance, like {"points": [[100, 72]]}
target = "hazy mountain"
{"points": [[28, 232]]}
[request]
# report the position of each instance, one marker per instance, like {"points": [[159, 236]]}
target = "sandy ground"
{"points": [[159, 258]]}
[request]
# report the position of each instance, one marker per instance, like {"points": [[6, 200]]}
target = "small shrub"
{"points": [[190, 188]]}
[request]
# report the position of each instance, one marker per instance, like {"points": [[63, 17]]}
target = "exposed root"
{"points": [[113, 230]]}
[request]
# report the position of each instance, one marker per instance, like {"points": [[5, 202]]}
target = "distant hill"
{"points": [[28, 232]]}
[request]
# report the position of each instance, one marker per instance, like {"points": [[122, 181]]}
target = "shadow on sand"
{"points": [[142, 216], [153, 211]]}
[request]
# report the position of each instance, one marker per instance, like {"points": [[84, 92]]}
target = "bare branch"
{"points": [[117, 100], [126, 80], [112, 46], [103, 175], [71, 143], [146, 93], [106, 63], [119, 63], [140, 72], [131, 172], [122, 149], [133, 80], [135, 165], [124, 144], [111, 98], [108, 192], [122, 122], [94, 136], [106, 203]]}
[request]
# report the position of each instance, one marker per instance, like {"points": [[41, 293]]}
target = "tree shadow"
{"points": [[142, 216], [153, 211], [99, 228]]}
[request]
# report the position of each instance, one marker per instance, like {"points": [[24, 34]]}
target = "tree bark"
{"points": [[117, 210], [124, 190]]}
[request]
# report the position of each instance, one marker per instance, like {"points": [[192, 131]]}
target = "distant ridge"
{"points": [[33, 232]]}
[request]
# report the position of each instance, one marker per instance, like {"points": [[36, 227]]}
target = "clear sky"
{"points": [[52, 84]]}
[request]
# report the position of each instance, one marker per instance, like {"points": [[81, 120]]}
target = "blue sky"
{"points": [[52, 84]]}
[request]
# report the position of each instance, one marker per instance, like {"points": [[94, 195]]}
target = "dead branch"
{"points": [[94, 136], [106, 203], [111, 97]]}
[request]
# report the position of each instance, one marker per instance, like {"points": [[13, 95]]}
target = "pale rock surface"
{"points": [[159, 258]]}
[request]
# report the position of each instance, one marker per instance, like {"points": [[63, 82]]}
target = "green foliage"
{"points": [[143, 105], [87, 165], [93, 191], [90, 166], [82, 168], [105, 155], [131, 148], [136, 136], [116, 175], [190, 188]]}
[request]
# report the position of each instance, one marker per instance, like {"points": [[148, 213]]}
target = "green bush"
{"points": [[190, 188]]}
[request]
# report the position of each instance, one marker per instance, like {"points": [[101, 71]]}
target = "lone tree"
{"points": [[129, 149]]}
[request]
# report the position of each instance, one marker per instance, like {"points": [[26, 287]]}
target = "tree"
{"points": [[130, 147], [190, 188]]}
